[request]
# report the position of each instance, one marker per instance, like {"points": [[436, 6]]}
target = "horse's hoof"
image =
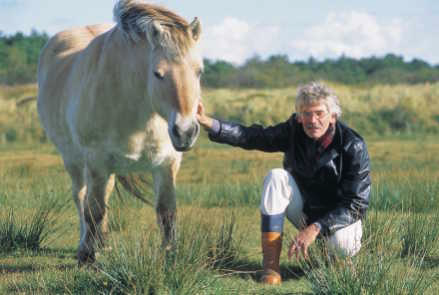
{"points": [[86, 258]]}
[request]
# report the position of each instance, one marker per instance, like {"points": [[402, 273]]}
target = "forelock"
{"points": [[134, 18]]}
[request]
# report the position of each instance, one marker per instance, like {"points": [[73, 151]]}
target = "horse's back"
{"points": [[56, 79], [63, 48]]}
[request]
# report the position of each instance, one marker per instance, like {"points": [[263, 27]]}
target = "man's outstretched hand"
{"points": [[202, 118], [300, 243]]}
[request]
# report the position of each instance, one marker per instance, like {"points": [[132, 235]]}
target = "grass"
{"points": [[28, 233], [420, 235], [367, 274], [402, 110], [218, 220], [382, 109], [218, 190], [138, 265]]}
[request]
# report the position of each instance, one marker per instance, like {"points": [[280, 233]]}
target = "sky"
{"points": [[235, 30]]}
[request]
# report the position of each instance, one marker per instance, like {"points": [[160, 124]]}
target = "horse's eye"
{"points": [[159, 75]]}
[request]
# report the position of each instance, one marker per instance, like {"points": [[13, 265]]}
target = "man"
{"points": [[324, 186]]}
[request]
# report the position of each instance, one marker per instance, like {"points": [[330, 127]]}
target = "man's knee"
{"points": [[346, 241], [276, 192], [276, 174]]}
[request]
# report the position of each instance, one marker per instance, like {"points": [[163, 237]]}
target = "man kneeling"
{"points": [[324, 186]]}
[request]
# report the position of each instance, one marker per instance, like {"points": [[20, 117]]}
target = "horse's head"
{"points": [[174, 65], [174, 83]]}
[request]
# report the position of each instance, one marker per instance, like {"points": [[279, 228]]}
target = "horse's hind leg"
{"points": [[164, 186], [99, 187]]}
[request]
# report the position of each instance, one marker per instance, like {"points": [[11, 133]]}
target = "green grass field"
{"points": [[218, 246]]}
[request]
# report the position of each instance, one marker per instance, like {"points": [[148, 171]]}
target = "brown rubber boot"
{"points": [[271, 248]]}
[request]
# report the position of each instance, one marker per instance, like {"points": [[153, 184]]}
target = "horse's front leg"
{"points": [[99, 187], [164, 186]]}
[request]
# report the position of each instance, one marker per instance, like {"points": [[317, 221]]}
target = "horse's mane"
{"points": [[134, 17]]}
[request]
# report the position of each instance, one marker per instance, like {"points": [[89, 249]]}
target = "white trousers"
{"points": [[281, 195]]}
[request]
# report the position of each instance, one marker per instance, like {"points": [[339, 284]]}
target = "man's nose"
{"points": [[313, 118]]}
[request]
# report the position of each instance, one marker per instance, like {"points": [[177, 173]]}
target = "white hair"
{"points": [[317, 92]]}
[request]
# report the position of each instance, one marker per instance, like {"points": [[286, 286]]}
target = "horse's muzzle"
{"points": [[183, 140]]}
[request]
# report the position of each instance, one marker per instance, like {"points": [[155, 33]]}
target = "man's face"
{"points": [[315, 119]]}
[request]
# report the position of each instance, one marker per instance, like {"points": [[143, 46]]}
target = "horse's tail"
{"points": [[136, 184]]}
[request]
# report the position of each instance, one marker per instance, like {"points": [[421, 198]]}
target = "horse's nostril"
{"points": [[176, 131], [185, 135]]}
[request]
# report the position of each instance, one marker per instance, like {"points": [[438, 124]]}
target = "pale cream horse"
{"points": [[119, 99]]}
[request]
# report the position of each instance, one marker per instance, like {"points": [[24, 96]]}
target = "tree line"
{"points": [[277, 71], [19, 58]]}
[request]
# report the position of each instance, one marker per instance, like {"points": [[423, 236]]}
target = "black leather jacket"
{"points": [[335, 187]]}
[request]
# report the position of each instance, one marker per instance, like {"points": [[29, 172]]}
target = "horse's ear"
{"points": [[195, 27], [155, 30]]}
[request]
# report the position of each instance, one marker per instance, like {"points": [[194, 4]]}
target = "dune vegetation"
{"points": [[218, 244]]}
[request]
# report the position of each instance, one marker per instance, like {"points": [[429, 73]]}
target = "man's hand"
{"points": [[204, 120], [299, 245]]}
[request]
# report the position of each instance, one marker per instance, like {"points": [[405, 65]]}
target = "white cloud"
{"points": [[354, 34], [235, 40]]}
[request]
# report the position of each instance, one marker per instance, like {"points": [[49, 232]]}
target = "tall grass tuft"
{"points": [[381, 232], [28, 233], [226, 248], [365, 273], [139, 265], [420, 235]]}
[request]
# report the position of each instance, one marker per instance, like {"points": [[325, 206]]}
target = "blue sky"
{"points": [[239, 29]]}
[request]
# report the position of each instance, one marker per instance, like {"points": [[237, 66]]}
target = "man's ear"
{"points": [[333, 118], [299, 118]]}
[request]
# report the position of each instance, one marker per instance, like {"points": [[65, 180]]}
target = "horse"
{"points": [[121, 99]]}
